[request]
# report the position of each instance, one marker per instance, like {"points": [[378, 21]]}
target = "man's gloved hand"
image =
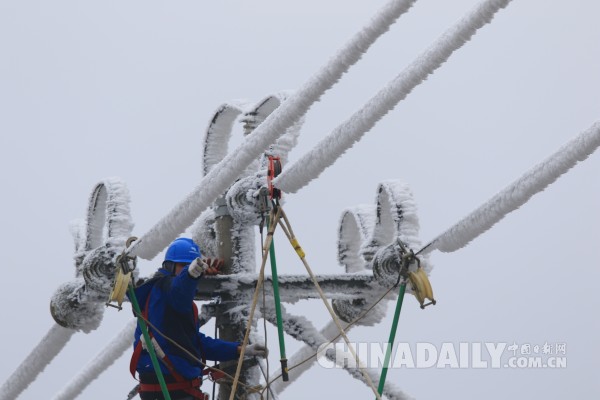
{"points": [[197, 268], [200, 267], [159, 352], [257, 350]]}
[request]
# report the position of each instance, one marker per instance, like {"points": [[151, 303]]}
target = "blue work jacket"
{"points": [[171, 310]]}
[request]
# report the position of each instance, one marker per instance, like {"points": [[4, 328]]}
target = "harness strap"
{"points": [[189, 387]]}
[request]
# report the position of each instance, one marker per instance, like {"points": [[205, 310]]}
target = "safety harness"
{"points": [[191, 387]]}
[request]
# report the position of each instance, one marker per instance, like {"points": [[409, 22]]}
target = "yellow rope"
{"points": [[287, 229]]}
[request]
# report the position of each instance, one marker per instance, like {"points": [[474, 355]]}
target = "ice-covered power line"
{"points": [[79, 304], [519, 192], [319, 339], [224, 173], [328, 150], [103, 360], [50, 345], [218, 179], [468, 225]]}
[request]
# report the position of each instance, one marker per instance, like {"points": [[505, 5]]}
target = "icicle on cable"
{"points": [[104, 359], [519, 192], [224, 173], [328, 150], [50, 345]]}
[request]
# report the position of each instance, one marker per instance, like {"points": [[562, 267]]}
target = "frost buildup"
{"points": [[244, 201], [79, 304], [227, 169], [367, 237], [349, 132], [520, 191]]}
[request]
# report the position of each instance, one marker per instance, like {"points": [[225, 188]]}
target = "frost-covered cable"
{"points": [[319, 339], [328, 150], [519, 192], [104, 359], [50, 345], [224, 173]]}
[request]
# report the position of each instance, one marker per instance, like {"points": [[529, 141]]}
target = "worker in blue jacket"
{"points": [[167, 302]]}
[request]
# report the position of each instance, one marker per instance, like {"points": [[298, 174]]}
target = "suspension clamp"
{"points": [[125, 265], [418, 279]]}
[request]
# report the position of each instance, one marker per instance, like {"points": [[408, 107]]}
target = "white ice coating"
{"points": [[108, 211], [101, 362], [397, 216], [287, 142], [108, 206], [204, 233], [242, 197], [218, 133], [76, 307], [363, 227], [328, 150], [77, 228], [222, 175], [108, 220], [318, 339], [390, 391], [519, 192], [298, 327], [255, 116], [50, 345], [78, 304], [261, 111], [355, 230], [244, 206], [328, 332]]}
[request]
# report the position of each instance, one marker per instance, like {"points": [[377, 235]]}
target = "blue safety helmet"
{"points": [[182, 250]]}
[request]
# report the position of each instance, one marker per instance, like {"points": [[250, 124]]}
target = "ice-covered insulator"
{"points": [[243, 200], [71, 308], [386, 265], [349, 310], [396, 216], [218, 133], [204, 233], [98, 270], [80, 304], [355, 229]]}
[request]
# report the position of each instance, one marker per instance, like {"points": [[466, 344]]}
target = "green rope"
{"points": [[284, 368], [390, 344], [149, 347]]}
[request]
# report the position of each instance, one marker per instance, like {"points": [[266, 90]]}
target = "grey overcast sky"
{"points": [[90, 90]]}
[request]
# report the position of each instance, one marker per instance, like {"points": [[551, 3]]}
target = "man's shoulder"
{"points": [[158, 281]]}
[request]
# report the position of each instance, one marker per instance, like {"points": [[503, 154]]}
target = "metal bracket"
{"points": [[220, 207]]}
